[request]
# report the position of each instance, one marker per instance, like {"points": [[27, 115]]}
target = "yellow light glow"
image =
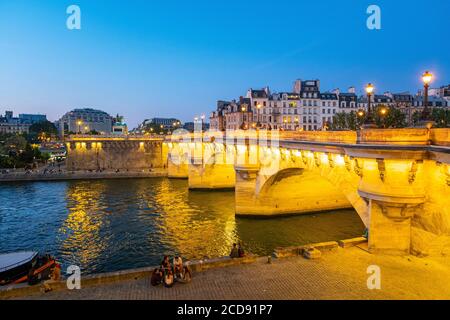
{"points": [[241, 148], [339, 160], [370, 88], [427, 77]]}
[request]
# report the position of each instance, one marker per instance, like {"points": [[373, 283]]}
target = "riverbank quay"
{"points": [[339, 273], [80, 175]]}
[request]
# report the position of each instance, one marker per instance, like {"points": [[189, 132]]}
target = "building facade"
{"points": [[86, 120], [13, 125], [303, 108], [307, 108]]}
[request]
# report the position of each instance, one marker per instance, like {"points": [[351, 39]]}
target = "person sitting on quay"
{"points": [[165, 264], [241, 252], [177, 266], [157, 277], [168, 279], [55, 276], [234, 251], [187, 275]]}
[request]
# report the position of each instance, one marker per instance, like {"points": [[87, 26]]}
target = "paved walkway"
{"points": [[338, 275]]}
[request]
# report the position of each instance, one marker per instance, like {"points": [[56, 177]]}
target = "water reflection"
{"points": [[117, 224], [80, 234]]}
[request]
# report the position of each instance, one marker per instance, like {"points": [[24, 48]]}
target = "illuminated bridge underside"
{"points": [[397, 182]]}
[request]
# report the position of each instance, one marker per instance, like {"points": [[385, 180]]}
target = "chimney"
{"points": [[297, 86], [352, 90]]}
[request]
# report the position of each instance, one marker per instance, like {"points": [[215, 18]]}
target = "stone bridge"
{"points": [[398, 181]]}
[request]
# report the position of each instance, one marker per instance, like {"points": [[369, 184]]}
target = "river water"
{"points": [[110, 225]]}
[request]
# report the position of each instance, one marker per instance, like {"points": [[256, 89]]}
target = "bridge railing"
{"points": [[113, 137], [404, 136]]}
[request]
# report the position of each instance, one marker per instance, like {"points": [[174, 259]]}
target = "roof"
{"points": [[11, 260], [328, 96], [259, 93]]}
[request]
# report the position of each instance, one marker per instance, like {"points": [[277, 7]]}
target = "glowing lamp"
{"points": [[427, 77], [370, 88]]}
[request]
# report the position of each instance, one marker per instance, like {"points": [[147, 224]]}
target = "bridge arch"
{"points": [[306, 190], [301, 182]]}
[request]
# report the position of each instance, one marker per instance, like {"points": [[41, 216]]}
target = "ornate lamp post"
{"points": [[427, 77], [368, 123], [258, 122]]}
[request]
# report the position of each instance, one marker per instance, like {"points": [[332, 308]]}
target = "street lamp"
{"points": [[79, 122], [383, 113], [258, 122], [427, 77], [369, 120]]}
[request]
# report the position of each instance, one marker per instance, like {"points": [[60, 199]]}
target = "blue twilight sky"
{"points": [[176, 58]]}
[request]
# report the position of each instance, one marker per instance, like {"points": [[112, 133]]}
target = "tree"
{"points": [[44, 127], [346, 121], [441, 117], [416, 117], [386, 117], [15, 144], [41, 131]]}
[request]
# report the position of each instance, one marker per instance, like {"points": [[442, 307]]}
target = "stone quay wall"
{"points": [[121, 153]]}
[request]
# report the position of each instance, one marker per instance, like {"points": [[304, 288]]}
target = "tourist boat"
{"points": [[15, 267]]}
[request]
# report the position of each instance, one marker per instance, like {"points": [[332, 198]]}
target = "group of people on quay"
{"points": [[51, 168], [169, 273], [237, 251]]}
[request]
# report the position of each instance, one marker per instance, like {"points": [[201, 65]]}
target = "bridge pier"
{"points": [[177, 167], [390, 223], [210, 176]]}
